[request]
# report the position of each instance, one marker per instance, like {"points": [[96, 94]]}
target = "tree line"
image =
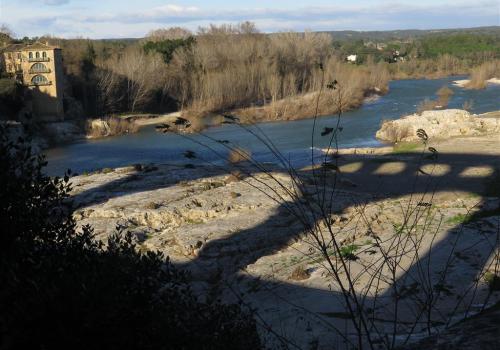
{"points": [[225, 67], [218, 68]]}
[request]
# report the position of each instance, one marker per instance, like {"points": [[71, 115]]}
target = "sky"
{"points": [[132, 19]]}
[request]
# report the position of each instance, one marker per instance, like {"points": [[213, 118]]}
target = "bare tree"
{"points": [[142, 74], [6, 34], [109, 98], [233, 66], [168, 34]]}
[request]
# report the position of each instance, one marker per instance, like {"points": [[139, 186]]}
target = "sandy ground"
{"points": [[464, 82], [166, 118]]}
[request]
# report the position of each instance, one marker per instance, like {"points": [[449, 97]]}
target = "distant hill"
{"points": [[381, 35], [409, 33]]}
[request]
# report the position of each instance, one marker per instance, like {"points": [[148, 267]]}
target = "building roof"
{"points": [[26, 47], [40, 46], [13, 47]]}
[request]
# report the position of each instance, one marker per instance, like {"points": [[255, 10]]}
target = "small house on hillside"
{"points": [[352, 58]]}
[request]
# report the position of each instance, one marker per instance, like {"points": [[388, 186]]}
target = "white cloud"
{"points": [[55, 2], [338, 17], [176, 9], [389, 10]]}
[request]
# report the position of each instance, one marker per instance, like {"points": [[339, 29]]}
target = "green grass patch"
{"points": [[348, 252], [368, 242], [473, 195], [397, 227], [194, 221], [467, 219], [405, 147], [458, 219], [107, 170], [402, 228], [493, 281]]}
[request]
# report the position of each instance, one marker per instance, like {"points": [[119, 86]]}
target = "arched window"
{"points": [[39, 80], [37, 55], [44, 54], [31, 55], [39, 68]]}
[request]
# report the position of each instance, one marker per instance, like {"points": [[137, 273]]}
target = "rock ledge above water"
{"points": [[438, 125]]}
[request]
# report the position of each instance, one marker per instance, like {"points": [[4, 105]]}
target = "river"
{"points": [[292, 138]]}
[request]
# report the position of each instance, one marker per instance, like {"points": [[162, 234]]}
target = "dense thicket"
{"points": [[167, 47], [464, 46], [458, 45], [440, 55], [221, 67], [235, 66], [63, 289]]}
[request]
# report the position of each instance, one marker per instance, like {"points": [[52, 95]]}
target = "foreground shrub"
{"points": [[61, 288], [11, 97]]}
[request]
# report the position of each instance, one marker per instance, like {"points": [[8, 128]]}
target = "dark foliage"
{"points": [[459, 45], [88, 61], [11, 97], [61, 288], [167, 47]]}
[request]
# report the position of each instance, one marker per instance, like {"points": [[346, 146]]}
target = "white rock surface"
{"points": [[463, 82], [438, 125], [235, 238], [98, 127]]}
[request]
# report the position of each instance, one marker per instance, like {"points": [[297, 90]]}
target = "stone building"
{"points": [[38, 66]]}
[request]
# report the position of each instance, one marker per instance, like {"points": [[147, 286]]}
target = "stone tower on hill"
{"points": [[38, 66]]}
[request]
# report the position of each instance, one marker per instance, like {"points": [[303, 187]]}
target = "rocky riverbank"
{"points": [[440, 125], [45, 135], [51, 134], [236, 235]]}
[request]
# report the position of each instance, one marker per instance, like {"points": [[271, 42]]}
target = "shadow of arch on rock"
{"points": [[250, 245]]}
